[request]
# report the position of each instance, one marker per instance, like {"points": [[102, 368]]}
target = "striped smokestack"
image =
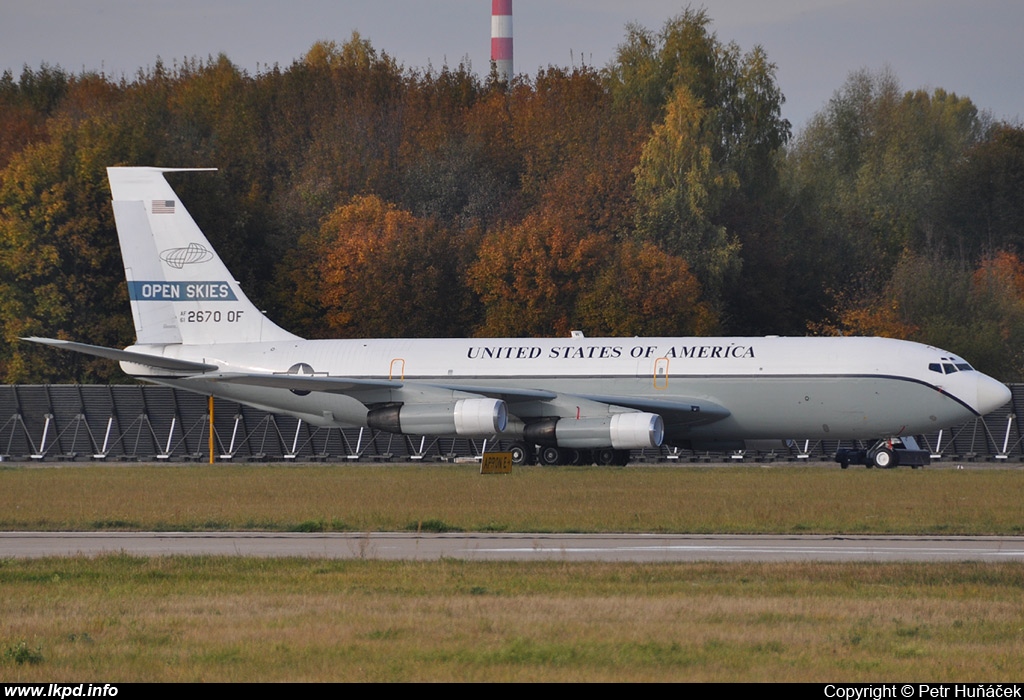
{"points": [[501, 38]]}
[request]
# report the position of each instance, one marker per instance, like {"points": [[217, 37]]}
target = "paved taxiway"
{"points": [[518, 547]]}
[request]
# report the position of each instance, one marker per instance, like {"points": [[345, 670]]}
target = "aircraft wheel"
{"points": [[570, 456], [521, 454], [550, 456], [884, 458], [605, 456], [844, 464], [621, 457]]}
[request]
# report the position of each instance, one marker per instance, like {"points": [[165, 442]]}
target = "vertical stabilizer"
{"points": [[180, 290]]}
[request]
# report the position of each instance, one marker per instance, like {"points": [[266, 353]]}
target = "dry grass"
{"points": [[123, 618], [229, 619], [397, 497]]}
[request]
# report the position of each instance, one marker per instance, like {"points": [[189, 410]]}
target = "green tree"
{"points": [[649, 66], [680, 188], [711, 160], [982, 206], [873, 164]]}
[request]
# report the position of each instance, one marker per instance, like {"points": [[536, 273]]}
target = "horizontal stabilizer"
{"points": [[138, 358]]}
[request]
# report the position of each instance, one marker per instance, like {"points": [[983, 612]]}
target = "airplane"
{"points": [[558, 400]]}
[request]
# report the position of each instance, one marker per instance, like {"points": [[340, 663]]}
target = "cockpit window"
{"points": [[949, 367]]}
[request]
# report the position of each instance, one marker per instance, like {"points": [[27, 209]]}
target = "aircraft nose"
{"points": [[992, 394]]}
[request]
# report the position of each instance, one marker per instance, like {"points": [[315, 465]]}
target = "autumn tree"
{"points": [[345, 104], [528, 277], [26, 104], [543, 277], [378, 271], [997, 300], [60, 270], [977, 313], [447, 170], [359, 197], [562, 123], [644, 291]]}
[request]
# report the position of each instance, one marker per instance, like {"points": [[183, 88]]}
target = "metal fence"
{"points": [[153, 423]]}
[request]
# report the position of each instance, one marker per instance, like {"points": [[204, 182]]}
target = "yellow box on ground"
{"points": [[496, 463]]}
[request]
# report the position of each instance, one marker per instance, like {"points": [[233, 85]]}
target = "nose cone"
{"points": [[991, 394]]}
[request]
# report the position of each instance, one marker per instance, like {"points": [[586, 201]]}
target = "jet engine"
{"points": [[622, 431], [470, 417]]}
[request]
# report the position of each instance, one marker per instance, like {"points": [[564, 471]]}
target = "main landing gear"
{"points": [[885, 454], [523, 454]]}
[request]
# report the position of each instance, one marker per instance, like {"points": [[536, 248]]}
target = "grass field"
{"points": [[774, 500], [121, 618]]}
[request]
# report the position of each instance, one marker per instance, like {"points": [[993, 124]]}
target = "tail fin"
{"points": [[180, 290]]}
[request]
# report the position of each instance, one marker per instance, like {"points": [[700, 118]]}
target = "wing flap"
{"points": [[509, 394], [299, 382], [679, 411], [347, 385]]}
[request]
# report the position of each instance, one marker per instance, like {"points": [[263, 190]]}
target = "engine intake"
{"points": [[469, 417]]}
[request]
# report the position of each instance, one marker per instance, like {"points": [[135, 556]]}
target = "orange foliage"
{"points": [[880, 319], [529, 275], [882, 316], [657, 294], [1002, 275], [997, 289], [384, 272], [541, 278]]}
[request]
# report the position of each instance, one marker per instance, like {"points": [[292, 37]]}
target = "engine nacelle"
{"points": [[623, 431], [469, 417]]}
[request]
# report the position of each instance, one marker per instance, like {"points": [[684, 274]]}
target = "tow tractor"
{"points": [[886, 454]]}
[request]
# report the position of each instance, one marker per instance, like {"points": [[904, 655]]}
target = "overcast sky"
{"points": [[971, 47]]}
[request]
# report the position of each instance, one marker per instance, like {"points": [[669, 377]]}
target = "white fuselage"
{"points": [[771, 387]]}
